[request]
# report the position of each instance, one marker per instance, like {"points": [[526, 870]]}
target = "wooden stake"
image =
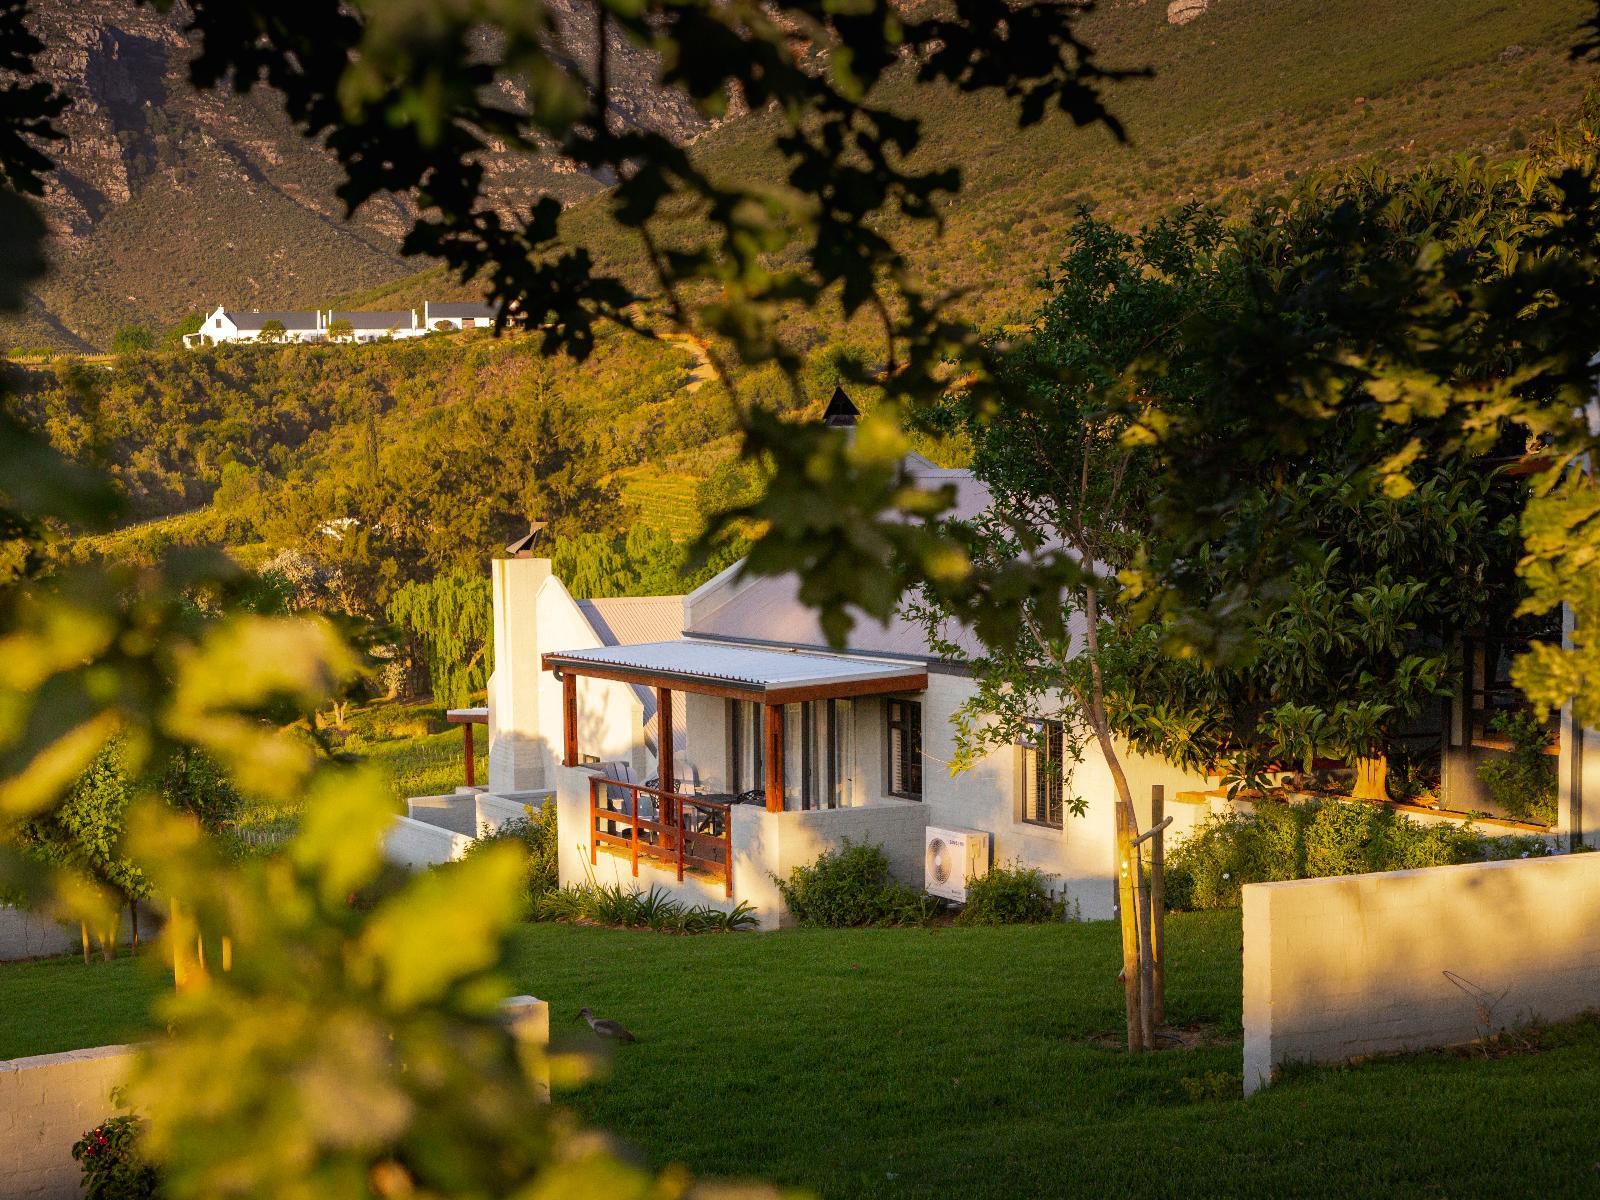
{"points": [[1158, 904], [1147, 973]]}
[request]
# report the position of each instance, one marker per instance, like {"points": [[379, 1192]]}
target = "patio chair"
{"points": [[620, 799]]}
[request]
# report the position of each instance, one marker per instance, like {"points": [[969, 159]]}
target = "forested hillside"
{"points": [[398, 461], [393, 462]]}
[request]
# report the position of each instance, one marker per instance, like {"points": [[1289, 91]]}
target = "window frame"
{"points": [[1036, 757], [909, 760]]}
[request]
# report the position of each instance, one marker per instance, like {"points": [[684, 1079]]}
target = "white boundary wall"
{"points": [[1367, 964], [47, 1102]]}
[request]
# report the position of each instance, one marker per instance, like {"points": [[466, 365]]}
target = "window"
{"points": [[1043, 777], [905, 749], [744, 746], [838, 713]]}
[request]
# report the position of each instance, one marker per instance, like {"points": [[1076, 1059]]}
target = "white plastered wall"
{"points": [[988, 795], [534, 615]]}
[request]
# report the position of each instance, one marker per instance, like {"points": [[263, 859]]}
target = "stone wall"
{"points": [[46, 1104], [1370, 964]]}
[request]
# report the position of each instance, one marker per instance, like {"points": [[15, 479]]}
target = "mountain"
{"points": [[1245, 97], [168, 200]]}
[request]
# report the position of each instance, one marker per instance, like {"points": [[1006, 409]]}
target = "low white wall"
{"points": [[1364, 964], [764, 844], [28, 935], [494, 811], [47, 1103], [413, 843], [767, 844]]}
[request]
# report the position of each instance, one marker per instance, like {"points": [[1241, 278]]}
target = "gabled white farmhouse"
{"points": [[787, 747], [239, 325]]}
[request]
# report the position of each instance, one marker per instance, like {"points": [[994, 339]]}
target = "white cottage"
{"points": [[239, 325], [781, 747]]}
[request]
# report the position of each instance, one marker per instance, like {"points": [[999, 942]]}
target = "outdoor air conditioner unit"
{"points": [[952, 857]]}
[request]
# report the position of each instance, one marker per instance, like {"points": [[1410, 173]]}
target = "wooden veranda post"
{"points": [[665, 777], [1158, 904], [569, 719], [772, 727], [466, 729]]}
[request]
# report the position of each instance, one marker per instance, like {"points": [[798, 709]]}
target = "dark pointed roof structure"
{"points": [[523, 546], [841, 412]]}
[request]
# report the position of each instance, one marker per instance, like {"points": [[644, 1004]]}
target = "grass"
{"points": [[967, 1062], [60, 1004]]}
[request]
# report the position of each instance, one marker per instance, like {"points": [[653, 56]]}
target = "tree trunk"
{"points": [[1372, 778], [83, 932], [1126, 825]]}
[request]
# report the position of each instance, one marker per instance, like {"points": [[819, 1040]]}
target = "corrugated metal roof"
{"points": [[400, 318], [255, 320], [739, 665], [628, 620], [460, 311]]}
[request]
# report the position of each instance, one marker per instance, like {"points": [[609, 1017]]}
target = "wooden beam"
{"points": [[569, 718], [772, 728], [471, 757], [664, 773]]}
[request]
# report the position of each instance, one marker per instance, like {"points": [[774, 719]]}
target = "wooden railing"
{"points": [[692, 844]]}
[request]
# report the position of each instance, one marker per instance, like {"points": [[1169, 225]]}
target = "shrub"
{"points": [[1014, 895], [536, 832], [1323, 838], [113, 1168], [1524, 781], [656, 910], [851, 886]]}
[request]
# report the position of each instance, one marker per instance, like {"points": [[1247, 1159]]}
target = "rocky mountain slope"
{"points": [[168, 199]]}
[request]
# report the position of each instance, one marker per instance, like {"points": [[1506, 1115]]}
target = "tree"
{"points": [[131, 339], [1355, 640], [1069, 474], [84, 836], [173, 338], [272, 331], [449, 618], [340, 329]]}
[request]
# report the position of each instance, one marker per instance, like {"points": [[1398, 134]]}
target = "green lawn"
{"points": [[64, 1004], [950, 1062]]}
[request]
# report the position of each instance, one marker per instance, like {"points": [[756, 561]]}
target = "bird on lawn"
{"points": [[606, 1027]]}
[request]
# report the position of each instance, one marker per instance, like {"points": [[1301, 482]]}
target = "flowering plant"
{"points": [[113, 1168]]}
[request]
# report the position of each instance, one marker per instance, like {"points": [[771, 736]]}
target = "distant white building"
{"points": [[373, 326], [237, 325], [457, 316]]}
